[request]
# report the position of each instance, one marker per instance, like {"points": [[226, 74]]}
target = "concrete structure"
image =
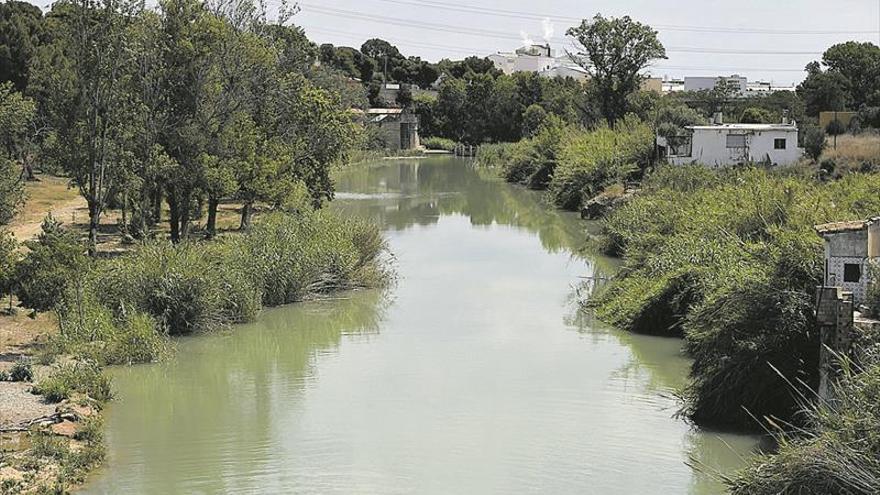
{"points": [[722, 145], [835, 315], [654, 84], [844, 118], [539, 59], [849, 248], [737, 84], [399, 128]]}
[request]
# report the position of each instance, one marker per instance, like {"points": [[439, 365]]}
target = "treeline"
{"points": [[189, 104]]}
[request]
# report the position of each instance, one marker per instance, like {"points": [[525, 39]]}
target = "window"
{"points": [[736, 140], [779, 144], [852, 272]]}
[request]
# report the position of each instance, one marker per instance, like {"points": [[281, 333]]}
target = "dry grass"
{"points": [[861, 148]]}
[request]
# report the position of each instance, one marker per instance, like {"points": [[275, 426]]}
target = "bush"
{"points": [[533, 119], [755, 115], [84, 377], [438, 143], [814, 143], [21, 371], [835, 128], [838, 454], [55, 258], [729, 259], [872, 297], [591, 161], [121, 310]]}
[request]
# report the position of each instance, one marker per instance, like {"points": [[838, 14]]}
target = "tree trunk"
{"points": [[246, 214], [211, 227], [125, 214], [174, 218], [185, 208], [157, 204], [94, 222]]}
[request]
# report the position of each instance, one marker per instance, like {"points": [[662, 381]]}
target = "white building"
{"points": [[738, 84], [731, 144], [849, 248], [538, 59]]}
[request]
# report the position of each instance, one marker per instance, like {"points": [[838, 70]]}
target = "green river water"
{"points": [[474, 374]]}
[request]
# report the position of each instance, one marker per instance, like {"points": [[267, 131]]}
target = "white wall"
{"points": [[710, 147]]}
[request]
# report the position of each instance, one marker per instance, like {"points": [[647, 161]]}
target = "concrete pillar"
{"points": [[834, 314]]}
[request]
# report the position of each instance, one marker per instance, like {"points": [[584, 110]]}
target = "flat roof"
{"points": [[384, 111], [746, 127]]}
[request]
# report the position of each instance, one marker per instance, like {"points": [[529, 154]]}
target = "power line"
{"points": [[502, 35], [534, 16], [470, 51]]}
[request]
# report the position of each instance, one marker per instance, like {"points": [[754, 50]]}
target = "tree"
{"points": [[859, 63], [451, 111], [616, 51], [22, 31], [755, 115], [51, 262], [532, 120], [8, 260], [814, 143], [386, 55], [824, 91], [88, 104]]}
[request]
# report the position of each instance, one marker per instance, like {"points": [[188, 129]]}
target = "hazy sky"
{"points": [[698, 34]]}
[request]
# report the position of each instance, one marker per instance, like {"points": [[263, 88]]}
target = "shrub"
{"points": [[51, 262], [12, 192], [755, 115], [872, 297], [814, 143], [835, 128], [8, 260], [84, 377], [438, 143], [533, 119], [838, 454], [21, 371], [121, 310], [591, 161], [730, 260]]}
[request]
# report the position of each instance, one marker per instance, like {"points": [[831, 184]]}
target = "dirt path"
{"points": [[48, 195]]}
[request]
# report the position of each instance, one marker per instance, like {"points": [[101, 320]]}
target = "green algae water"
{"points": [[476, 373]]}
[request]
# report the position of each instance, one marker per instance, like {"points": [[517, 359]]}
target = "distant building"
{"points": [[737, 84], [398, 127], [539, 59], [722, 145], [849, 248]]}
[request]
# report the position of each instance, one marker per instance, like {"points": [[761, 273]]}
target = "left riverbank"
{"points": [[127, 309]]}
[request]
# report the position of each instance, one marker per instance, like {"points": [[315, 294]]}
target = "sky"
{"points": [[762, 39]]}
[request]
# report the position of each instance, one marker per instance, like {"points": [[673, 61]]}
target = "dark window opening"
{"points": [[852, 272], [779, 144], [736, 140]]}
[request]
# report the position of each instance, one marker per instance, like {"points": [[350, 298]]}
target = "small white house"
{"points": [[849, 248], [732, 144]]}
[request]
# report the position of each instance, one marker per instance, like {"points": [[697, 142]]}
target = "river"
{"points": [[475, 373]]}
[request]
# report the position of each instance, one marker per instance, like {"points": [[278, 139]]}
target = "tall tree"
{"points": [[824, 90], [22, 31], [615, 51], [859, 63], [86, 100]]}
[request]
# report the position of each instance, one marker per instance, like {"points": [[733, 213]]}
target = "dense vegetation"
{"points": [[121, 309], [729, 260]]}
